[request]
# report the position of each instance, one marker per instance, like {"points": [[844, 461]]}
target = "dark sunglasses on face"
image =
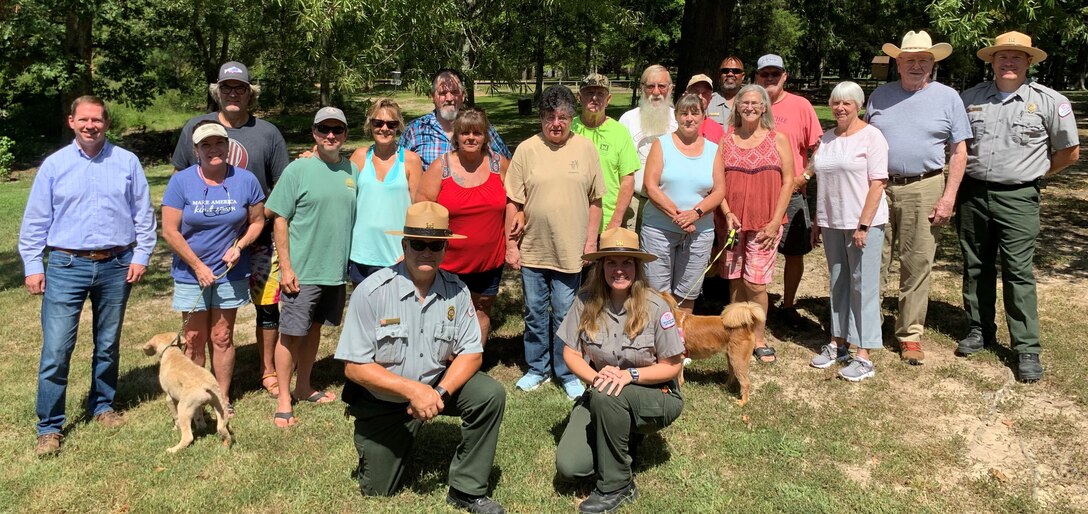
{"points": [[734, 71], [769, 74], [392, 124], [325, 129], [434, 245]]}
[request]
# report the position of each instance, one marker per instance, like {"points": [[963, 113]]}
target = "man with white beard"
{"points": [[652, 118], [430, 135]]}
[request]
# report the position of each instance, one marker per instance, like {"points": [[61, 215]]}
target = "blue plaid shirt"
{"points": [[425, 137]]}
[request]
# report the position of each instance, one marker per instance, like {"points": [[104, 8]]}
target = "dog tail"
{"points": [[743, 315]]}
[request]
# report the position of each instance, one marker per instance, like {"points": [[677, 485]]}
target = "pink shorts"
{"points": [[748, 260]]}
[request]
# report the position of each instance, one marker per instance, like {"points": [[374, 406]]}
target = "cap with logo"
{"points": [[330, 113], [770, 61], [233, 70]]}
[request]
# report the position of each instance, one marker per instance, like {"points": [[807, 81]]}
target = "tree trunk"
{"points": [[538, 58], [706, 26], [78, 54]]}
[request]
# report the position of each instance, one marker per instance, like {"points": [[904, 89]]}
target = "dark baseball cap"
{"points": [[233, 70]]}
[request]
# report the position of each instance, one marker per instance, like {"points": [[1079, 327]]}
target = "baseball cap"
{"points": [[770, 61], [701, 78], [330, 113], [233, 70], [594, 80], [208, 130]]}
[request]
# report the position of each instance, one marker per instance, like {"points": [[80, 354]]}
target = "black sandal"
{"points": [[764, 351]]}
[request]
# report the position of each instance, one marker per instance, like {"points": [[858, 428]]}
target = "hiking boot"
{"points": [[601, 502], [830, 354], [911, 352], [859, 369], [480, 504], [48, 445], [973, 343], [530, 381], [110, 419], [1031, 370], [574, 389]]}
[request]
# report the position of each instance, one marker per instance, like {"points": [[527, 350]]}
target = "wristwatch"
{"points": [[634, 375], [863, 227], [442, 393], [698, 211]]}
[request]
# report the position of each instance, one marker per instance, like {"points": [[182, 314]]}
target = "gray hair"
{"points": [[254, 92], [849, 92], [766, 120], [447, 75], [689, 102], [652, 69], [557, 99]]}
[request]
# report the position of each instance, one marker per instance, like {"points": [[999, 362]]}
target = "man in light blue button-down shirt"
{"points": [[91, 208]]}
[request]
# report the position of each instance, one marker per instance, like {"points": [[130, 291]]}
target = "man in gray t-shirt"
{"points": [[920, 119]]}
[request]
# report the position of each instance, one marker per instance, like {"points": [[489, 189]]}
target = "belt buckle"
{"points": [[97, 255]]}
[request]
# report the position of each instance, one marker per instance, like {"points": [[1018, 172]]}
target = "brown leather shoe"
{"points": [[48, 445], [110, 419], [911, 352]]}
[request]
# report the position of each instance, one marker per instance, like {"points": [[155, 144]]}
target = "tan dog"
{"points": [[731, 332], [189, 387]]}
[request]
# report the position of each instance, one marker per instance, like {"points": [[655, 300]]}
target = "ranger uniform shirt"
{"points": [[387, 324], [1014, 137], [659, 339]]}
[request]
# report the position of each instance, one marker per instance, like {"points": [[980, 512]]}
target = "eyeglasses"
{"points": [[434, 245], [392, 124], [335, 129], [769, 74], [655, 87], [733, 71], [237, 90], [220, 208]]}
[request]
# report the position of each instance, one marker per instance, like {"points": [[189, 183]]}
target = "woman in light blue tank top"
{"points": [[387, 181], [684, 190]]}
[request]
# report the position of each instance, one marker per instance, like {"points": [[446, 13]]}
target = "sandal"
{"points": [[318, 397], [287, 417], [765, 351], [274, 389]]}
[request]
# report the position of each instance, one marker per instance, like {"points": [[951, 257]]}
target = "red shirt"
{"points": [[478, 213]]}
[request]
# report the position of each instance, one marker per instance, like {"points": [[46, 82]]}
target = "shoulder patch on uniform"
{"points": [[1065, 109], [667, 320]]}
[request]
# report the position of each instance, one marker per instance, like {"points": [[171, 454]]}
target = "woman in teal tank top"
{"points": [[387, 182]]}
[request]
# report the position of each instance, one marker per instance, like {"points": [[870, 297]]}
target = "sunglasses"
{"points": [[734, 71], [392, 124], [769, 74], [336, 130], [419, 245]]}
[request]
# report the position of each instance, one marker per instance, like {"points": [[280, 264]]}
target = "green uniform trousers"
{"points": [[599, 429], [385, 433], [1000, 221]]}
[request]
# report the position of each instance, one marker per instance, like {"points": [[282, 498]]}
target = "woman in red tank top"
{"points": [[469, 183], [758, 168]]}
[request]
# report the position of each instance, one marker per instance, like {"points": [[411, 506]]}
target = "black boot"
{"points": [[599, 502]]}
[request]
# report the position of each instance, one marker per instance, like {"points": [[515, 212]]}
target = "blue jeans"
{"points": [[544, 289], [69, 280]]}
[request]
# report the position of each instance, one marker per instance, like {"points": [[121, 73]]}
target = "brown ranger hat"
{"points": [[1012, 41], [426, 220], [619, 242]]}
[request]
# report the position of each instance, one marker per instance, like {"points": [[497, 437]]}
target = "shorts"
{"points": [[748, 260], [797, 230], [358, 272], [483, 283], [264, 278], [681, 260], [224, 295], [312, 304]]}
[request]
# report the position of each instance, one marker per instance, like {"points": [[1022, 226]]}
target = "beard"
{"points": [[447, 112], [654, 117]]}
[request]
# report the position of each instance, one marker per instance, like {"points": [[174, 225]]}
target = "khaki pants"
{"points": [[910, 233]]}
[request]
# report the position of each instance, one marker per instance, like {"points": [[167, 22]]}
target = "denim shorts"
{"points": [[484, 283], [225, 295]]}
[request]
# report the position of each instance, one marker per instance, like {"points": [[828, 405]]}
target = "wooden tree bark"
{"points": [[78, 54], [703, 38]]}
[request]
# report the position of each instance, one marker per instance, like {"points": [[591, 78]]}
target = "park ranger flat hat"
{"points": [[919, 42], [1012, 41], [619, 242], [426, 220]]}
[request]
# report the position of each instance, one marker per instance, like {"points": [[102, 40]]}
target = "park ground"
{"points": [[953, 435]]}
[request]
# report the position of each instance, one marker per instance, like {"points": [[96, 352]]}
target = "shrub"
{"points": [[7, 157]]}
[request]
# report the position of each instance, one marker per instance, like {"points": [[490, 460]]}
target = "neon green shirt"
{"points": [[618, 158]]}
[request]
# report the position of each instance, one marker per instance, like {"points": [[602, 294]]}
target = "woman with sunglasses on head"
{"points": [[468, 181], [211, 212], [387, 179]]}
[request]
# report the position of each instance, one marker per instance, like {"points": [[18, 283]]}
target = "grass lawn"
{"points": [[951, 436]]}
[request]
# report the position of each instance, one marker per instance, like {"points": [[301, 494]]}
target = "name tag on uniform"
{"points": [[974, 108], [385, 322]]}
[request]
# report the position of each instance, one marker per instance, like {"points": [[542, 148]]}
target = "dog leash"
{"points": [[185, 321]]}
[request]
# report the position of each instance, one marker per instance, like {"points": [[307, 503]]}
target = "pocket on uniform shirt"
{"points": [[390, 343], [640, 352], [1029, 129], [444, 335]]}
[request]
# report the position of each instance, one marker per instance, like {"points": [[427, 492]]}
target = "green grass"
{"points": [[807, 442]]}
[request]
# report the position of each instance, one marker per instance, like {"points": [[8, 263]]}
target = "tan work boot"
{"points": [[48, 445], [110, 419], [911, 352]]}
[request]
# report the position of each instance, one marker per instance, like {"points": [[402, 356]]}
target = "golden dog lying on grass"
{"points": [[190, 388], [731, 332]]}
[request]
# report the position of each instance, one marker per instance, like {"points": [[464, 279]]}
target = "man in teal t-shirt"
{"points": [[313, 208], [619, 160]]}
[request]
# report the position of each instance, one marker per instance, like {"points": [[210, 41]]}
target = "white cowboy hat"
{"points": [[1012, 41], [919, 42]]}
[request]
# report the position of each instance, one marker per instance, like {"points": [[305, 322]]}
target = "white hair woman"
{"points": [[851, 166]]}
